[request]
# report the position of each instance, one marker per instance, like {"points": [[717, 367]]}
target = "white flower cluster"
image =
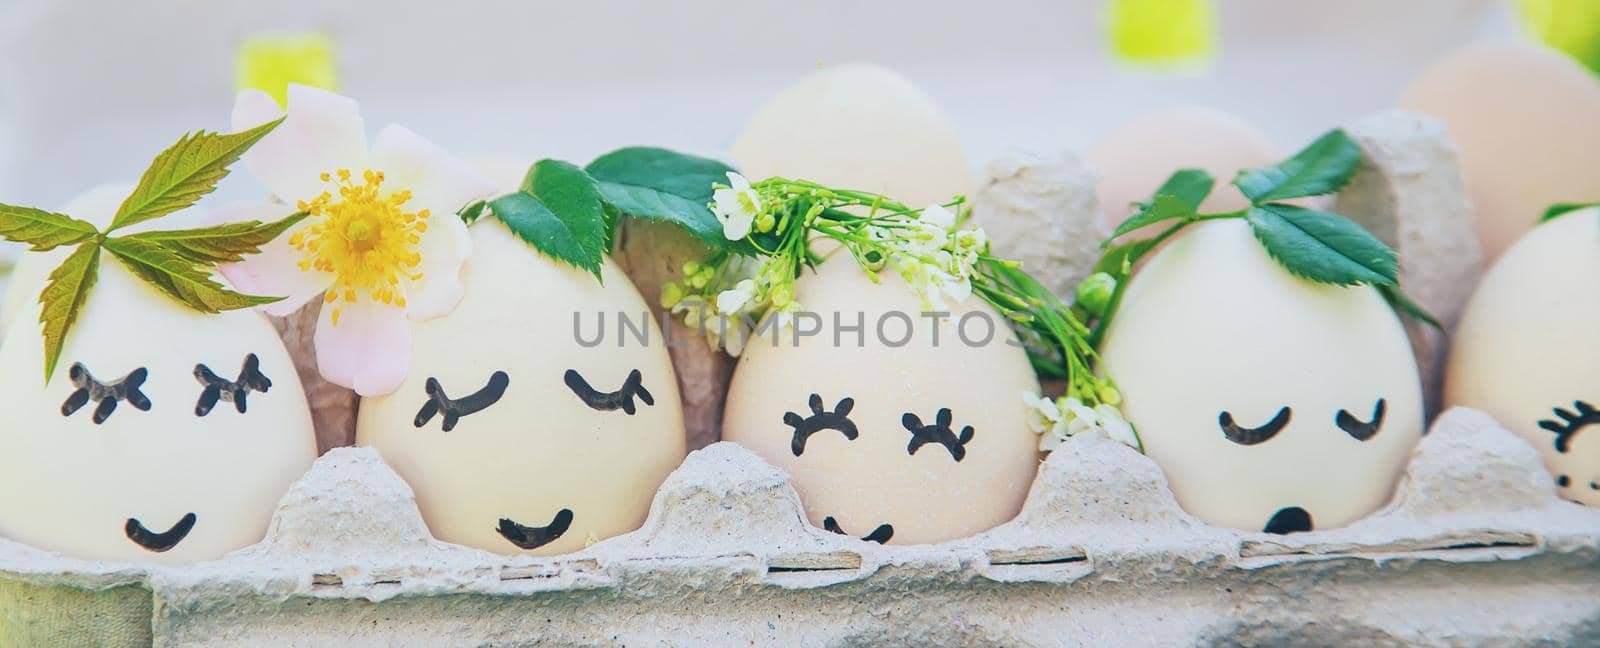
{"points": [[934, 258], [1055, 420], [767, 297]]}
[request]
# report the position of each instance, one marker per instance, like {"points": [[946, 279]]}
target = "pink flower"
{"points": [[383, 244]]}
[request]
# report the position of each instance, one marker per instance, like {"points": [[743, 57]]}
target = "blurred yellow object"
{"points": [[1166, 33], [270, 61], [1572, 26]]}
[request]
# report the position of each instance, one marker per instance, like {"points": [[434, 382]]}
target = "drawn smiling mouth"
{"points": [[527, 537], [159, 542]]}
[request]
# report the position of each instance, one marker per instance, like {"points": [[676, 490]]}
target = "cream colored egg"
{"points": [[1523, 119], [1135, 158], [1527, 352], [541, 435], [872, 424], [164, 435], [1272, 403], [857, 126]]}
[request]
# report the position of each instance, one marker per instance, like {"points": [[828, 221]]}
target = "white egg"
{"points": [[164, 435], [901, 430], [1523, 119], [517, 434], [857, 126], [28, 277], [1272, 403], [1135, 158], [1526, 350]]}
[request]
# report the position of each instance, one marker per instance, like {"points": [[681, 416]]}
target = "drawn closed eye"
{"points": [[1358, 429], [1252, 436], [455, 408], [1581, 415], [621, 399]]}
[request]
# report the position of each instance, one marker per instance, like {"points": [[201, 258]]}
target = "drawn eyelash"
{"points": [[939, 433], [454, 409], [232, 391], [1582, 415], [608, 401], [1252, 436], [106, 394], [1358, 429], [838, 419]]}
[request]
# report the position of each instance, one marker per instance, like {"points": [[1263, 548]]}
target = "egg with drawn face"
{"points": [[894, 426], [521, 426], [163, 435], [1526, 351], [1271, 403]]}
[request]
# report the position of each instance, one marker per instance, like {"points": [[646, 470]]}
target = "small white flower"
{"points": [[737, 206], [1043, 415], [938, 216], [733, 300], [1116, 426], [1080, 418]]}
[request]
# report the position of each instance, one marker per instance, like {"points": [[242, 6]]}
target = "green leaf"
{"points": [[221, 243], [41, 229], [1163, 207], [1322, 247], [1189, 185], [1321, 168], [558, 212], [184, 172], [1118, 259], [1556, 210], [1402, 304], [661, 185], [472, 211], [179, 277], [63, 299]]}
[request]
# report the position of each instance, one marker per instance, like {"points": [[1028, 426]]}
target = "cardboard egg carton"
{"points": [[1475, 547]]}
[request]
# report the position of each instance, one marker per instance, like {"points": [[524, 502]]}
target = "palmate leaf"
{"points": [[179, 277], [220, 243], [660, 185], [41, 229], [1323, 247], [184, 172], [1323, 167], [559, 212], [63, 299]]}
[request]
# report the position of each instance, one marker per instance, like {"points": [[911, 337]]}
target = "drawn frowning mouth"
{"points": [[159, 542], [527, 537]]}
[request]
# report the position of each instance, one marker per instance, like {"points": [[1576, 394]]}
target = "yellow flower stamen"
{"points": [[364, 237]]}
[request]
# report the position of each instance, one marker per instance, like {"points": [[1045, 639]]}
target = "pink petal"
{"points": [[444, 249], [368, 351], [323, 133], [275, 272], [439, 182]]}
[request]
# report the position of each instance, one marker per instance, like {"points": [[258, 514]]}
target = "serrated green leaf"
{"points": [[558, 212], [1117, 259], [1555, 211], [661, 185], [41, 229], [184, 172], [1321, 168], [220, 243], [63, 299], [1192, 186], [1322, 247], [179, 277], [1163, 207], [1403, 305]]}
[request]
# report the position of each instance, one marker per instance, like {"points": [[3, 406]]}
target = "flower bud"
{"points": [[1094, 293], [672, 292]]}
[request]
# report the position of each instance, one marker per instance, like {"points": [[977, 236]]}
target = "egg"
{"points": [[1136, 157], [164, 434], [1271, 403], [1526, 349], [32, 269], [520, 426], [895, 430], [1523, 119], [857, 126]]}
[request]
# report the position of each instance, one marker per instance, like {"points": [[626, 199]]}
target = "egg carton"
{"points": [[1474, 549]]}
